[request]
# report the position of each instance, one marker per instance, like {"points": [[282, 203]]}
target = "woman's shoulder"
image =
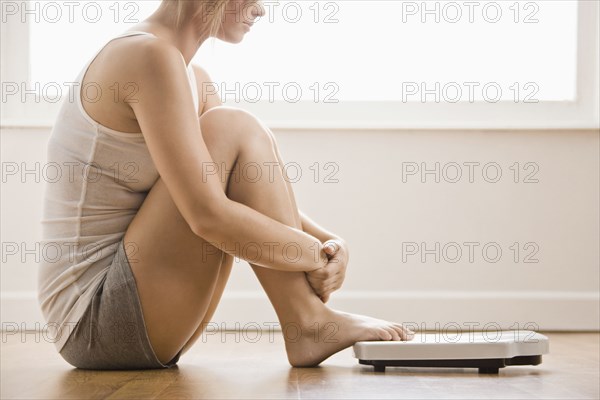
{"points": [[127, 57], [126, 70], [145, 51]]}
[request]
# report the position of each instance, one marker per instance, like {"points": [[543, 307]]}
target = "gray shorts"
{"points": [[112, 332]]}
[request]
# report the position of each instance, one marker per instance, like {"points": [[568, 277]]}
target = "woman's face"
{"points": [[238, 19]]}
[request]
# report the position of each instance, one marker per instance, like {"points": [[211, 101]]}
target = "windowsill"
{"points": [[378, 116], [304, 126]]}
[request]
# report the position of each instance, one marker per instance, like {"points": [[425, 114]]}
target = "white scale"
{"points": [[487, 351]]}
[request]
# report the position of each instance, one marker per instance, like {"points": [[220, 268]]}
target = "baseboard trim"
{"points": [[431, 310]]}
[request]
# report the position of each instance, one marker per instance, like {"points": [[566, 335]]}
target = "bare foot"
{"points": [[308, 345]]}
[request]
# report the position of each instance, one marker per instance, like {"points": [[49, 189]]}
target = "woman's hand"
{"points": [[330, 278]]}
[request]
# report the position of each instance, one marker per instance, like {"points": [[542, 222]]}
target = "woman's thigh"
{"points": [[176, 271]]}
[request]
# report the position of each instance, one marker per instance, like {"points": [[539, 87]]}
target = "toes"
{"points": [[395, 334], [406, 333], [384, 334], [399, 331]]}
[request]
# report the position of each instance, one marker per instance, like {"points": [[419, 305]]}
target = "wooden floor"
{"points": [[220, 369]]}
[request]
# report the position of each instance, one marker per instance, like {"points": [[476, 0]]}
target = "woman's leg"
{"points": [[322, 331], [180, 277], [177, 272], [224, 273]]}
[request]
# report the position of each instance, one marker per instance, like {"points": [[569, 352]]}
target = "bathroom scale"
{"points": [[487, 351]]}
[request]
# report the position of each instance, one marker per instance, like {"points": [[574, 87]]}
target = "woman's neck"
{"points": [[186, 38]]}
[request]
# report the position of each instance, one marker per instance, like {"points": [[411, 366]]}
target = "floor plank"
{"points": [[223, 368]]}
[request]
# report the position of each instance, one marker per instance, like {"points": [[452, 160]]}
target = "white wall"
{"points": [[375, 211]]}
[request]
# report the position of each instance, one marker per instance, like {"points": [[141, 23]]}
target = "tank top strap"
{"points": [[132, 33], [121, 35], [193, 85], [82, 73]]}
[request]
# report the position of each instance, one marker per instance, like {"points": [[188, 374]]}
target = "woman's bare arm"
{"points": [[312, 228], [209, 98], [207, 90], [165, 113]]}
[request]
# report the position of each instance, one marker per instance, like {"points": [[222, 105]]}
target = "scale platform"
{"points": [[487, 351]]}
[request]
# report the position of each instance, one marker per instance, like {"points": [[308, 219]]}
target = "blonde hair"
{"points": [[212, 12]]}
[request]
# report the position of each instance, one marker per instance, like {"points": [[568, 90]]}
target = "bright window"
{"points": [[355, 64], [327, 51]]}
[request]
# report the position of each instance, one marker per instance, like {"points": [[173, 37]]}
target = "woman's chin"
{"points": [[233, 39], [238, 39]]}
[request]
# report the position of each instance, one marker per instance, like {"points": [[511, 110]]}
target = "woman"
{"points": [[150, 217]]}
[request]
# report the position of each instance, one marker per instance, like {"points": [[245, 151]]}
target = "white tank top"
{"points": [[102, 178]]}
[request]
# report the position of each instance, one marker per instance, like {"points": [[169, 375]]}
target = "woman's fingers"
{"points": [[318, 285], [325, 273], [329, 278], [327, 284], [331, 247], [324, 293], [332, 285], [334, 266], [327, 290], [319, 274]]}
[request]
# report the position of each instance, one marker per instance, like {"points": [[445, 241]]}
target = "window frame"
{"points": [[582, 113]]}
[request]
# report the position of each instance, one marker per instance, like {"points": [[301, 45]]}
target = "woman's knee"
{"points": [[234, 124]]}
